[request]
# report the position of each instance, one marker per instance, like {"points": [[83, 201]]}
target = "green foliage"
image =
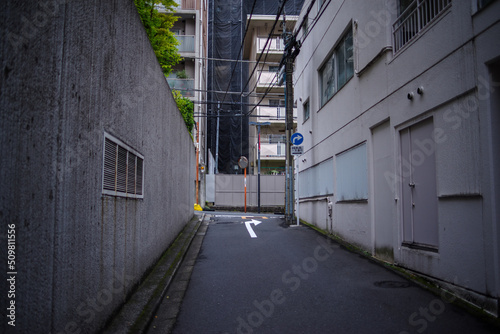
{"points": [[186, 107], [182, 74], [158, 27]]}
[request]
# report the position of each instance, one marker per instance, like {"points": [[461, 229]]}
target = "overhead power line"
{"points": [[239, 52], [231, 60], [272, 83], [233, 103], [316, 19], [276, 20], [221, 92]]}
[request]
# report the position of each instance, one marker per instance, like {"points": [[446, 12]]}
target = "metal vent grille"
{"points": [[123, 169]]}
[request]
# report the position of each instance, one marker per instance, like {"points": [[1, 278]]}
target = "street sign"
{"points": [[297, 150], [297, 138]]}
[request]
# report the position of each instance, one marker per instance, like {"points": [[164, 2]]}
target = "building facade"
{"points": [[228, 84], [398, 102], [190, 76], [267, 96]]}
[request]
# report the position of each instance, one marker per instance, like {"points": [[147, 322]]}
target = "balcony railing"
{"points": [[276, 150], [185, 86], [186, 43], [275, 44], [416, 16], [181, 4], [266, 78], [273, 170], [275, 139], [275, 113]]}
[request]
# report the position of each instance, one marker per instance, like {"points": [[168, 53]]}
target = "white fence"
{"points": [[229, 190]]}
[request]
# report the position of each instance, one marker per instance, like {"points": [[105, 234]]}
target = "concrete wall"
{"points": [[453, 59], [70, 72]]}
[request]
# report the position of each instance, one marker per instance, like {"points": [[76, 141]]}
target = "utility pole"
{"points": [[217, 142], [259, 124], [289, 129], [292, 49]]}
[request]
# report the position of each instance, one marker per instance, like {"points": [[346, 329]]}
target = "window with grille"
{"points": [[123, 170], [275, 139]]}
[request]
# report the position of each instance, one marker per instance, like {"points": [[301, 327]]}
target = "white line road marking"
{"points": [[249, 228]]}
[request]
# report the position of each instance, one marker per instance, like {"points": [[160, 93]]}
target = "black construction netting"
{"points": [[226, 28]]}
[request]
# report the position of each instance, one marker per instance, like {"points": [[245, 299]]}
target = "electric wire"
{"points": [[316, 19], [306, 16], [221, 92], [276, 20], [271, 85], [264, 63], [326, 30], [230, 60], [239, 52]]}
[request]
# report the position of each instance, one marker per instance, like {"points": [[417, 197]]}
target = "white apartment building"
{"points": [[399, 105], [190, 76], [265, 91]]}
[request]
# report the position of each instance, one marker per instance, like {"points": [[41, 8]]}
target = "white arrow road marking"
{"points": [[249, 228]]}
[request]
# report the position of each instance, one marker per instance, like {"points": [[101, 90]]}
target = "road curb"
{"points": [[438, 288], [137, 313], [165, 316]]}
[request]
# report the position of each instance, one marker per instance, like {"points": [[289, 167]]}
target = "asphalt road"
{"points": [[294, 280]]}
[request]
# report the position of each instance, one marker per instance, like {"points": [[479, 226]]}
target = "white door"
{"points": [[419, 196]]}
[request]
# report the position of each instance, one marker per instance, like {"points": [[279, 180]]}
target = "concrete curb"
{"points": [[441, 289], [137, 313], [165, 318]]}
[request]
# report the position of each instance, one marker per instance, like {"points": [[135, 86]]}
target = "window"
{"points": [[306, 110], [123, 169], [413, 17], [276, 103], [317, 180], [338, 69], [276, 139], [352, 174]]}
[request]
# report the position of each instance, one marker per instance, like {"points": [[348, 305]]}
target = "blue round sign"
{"points": [[297, 138]]}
